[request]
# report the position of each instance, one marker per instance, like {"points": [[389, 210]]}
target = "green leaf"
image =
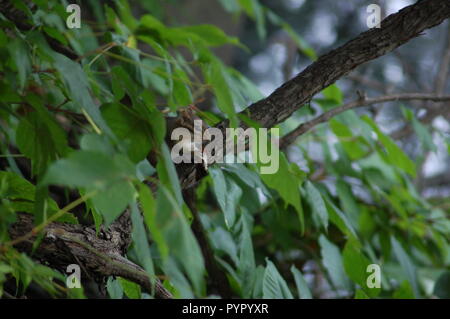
{"points": [[39, 137], [332, 260], [148, 205], [88, 169], [222, 240], [168, 175], [96, 171], [355, 265], [227, 194], [3, 39], [141, 244], [180, 94], [247, 176], [22, 195], [407, 265], [302, 286], [340, 219], [132, 131], [348, 202], [55, 34], [426, 139], [350, 144], [360, 294], [274, 286], [212, 35], [215, 77], [96, 143], [247, 264], [395, 155], [404, 291], [131, 289], [184, 251], [114, 288], [78, 86], [230, 5], [254, 9], [442, 286], [317, 204], [422, 132], [19, 52], [286, 181], [15, 187], [334, 93]]}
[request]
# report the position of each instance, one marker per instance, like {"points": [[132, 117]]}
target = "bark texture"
{"points": [[99, 255]]}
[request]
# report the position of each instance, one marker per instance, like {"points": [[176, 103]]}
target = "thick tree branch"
{"points": [[101, 256], [325, 117], [395, 30]]}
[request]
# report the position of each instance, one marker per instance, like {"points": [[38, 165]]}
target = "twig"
{"points": [[361, 101], [52, 218]]}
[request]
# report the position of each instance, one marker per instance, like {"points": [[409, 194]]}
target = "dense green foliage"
{"points": [[283, 235]]}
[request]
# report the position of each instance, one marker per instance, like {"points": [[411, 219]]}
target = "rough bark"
{"points": [[99, 256]]}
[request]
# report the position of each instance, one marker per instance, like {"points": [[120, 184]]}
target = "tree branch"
{"points": [[305, 127], [101, 255], [395, 30]]}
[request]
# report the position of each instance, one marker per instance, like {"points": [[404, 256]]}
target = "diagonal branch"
{"points": [[305, 127]]}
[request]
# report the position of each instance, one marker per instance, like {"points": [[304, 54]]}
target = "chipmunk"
{"points": [[188, 119], [185, 118]]}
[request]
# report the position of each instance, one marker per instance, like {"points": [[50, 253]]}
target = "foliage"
{"points": [[87, 127]]}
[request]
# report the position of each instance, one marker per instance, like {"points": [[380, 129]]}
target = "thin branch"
{"points": [[51, 219], [362, 101]]}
